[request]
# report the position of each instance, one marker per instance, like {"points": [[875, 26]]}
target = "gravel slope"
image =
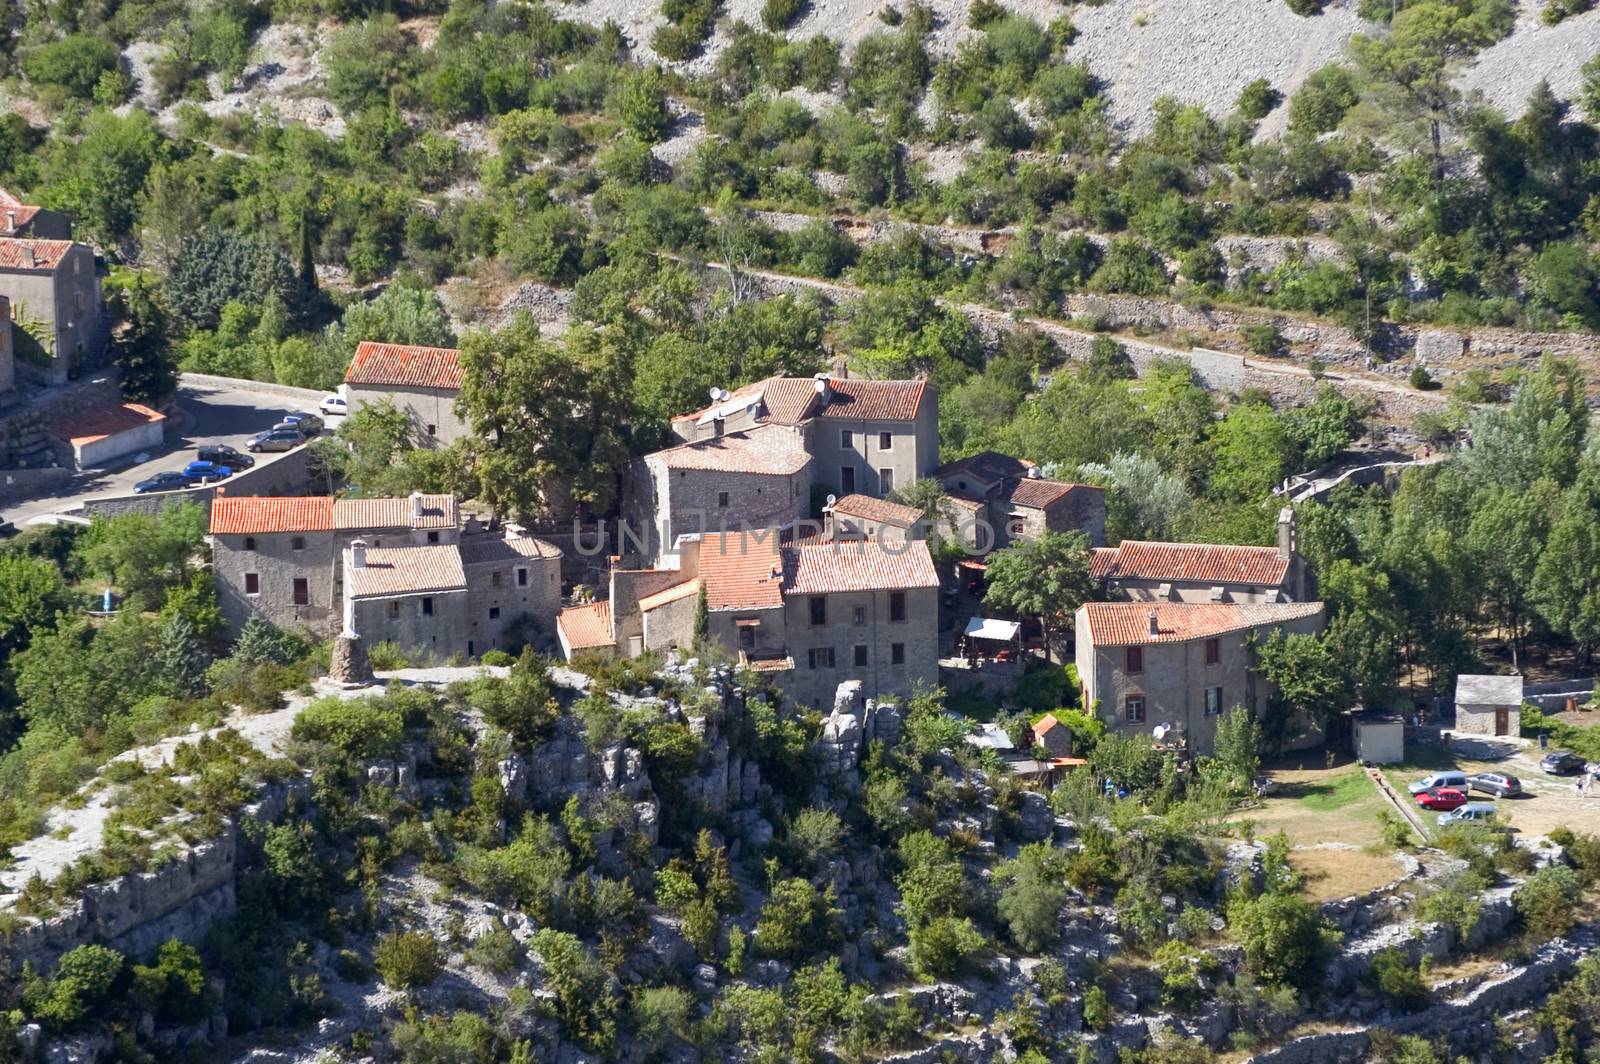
{"points": [[1507, 72]]}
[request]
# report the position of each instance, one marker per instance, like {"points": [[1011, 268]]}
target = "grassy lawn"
{"points": [[1333, 874], [1320, 805]]}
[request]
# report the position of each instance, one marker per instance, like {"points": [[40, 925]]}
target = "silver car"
{"points": [[275, 440]]}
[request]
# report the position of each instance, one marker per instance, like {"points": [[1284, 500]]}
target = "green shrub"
{"points": [[407, 959], [174, 986], [942, 947], [1398, 979], [73, 64], [84, 980], [1305, 8], [1323, 100], [356, 727], [1421, 379], [1257, 99], [1096, 1009], [496, 951], [779, 15], [984, 12], [1560, 10], [1548, 901], [1264, 340], [1284, 936]]}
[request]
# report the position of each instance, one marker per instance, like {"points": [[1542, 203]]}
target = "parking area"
{"points": [[212, 415]]}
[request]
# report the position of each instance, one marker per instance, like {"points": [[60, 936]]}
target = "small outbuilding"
{"points": [[1380, 737], [1054, 736], [105, 433], [1489, 705]]}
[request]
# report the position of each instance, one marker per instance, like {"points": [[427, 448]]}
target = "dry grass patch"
{"points": [[1333, 873]]}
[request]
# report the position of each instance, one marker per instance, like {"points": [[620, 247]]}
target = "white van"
{"points": [[1458, 780]]}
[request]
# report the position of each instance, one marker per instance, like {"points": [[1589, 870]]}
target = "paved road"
{"points": [[214, 416]]}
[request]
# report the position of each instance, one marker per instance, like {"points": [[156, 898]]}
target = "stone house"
{"points": [[752, 478], [1181, 664], [101, 434], [1054, 736], [8, 350], [863, 517], [29, 220], [858, 436], [54, 292], [421, 382], [1489, 705], [1205, 572], [998, 500], [290, 560], [810, 615]]}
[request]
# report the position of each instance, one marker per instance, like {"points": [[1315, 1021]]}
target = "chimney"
{"points": [[27, 257], [11, 221], [358, 554], [1155, 628], [416, 504], [1286, 533]]}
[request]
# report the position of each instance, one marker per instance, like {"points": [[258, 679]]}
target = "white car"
{"points": [[333, 404]]}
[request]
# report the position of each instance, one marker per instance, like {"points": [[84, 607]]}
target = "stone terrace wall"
{"points": [[289, 474]]}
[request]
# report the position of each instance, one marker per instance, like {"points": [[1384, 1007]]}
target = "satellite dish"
{"points": [[1160, 730], [716, 393], [832, 499]]}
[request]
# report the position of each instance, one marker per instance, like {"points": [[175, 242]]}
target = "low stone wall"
{"points": [[23, 443], [239, 384], [20, 485], [286, 474]]}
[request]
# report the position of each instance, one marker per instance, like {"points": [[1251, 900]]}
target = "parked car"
{"points": [[222, 454], [1463, 814], [198, 471], [308, 424], [1457, 780], [1499, 784], [275, 440], [1561, 763], [333, 404], [169, 481], [1444, 799]]}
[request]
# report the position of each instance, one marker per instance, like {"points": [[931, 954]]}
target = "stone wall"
{"points": [[286, 474], [23, 443]]}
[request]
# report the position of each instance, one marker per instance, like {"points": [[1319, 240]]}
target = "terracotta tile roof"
{"points": [[736, 400], [966, 502], [880, 510], [988, 466], [1201, 563], [875, 400], [265, 514], [22, 213], [438, 511], [586, 627], [834, 567], [1128, 623], [487, 548], [790, 400], [47, 254], [768, 449], [1102, 560], [405, 366], [103, 421], [669, 595], [391, 571], [741, 571], [783, 664], [1039, 494], [1046, 723]]}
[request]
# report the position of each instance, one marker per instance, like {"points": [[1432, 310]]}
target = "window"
{"points": [[717, 426], [392, 609], [302, 591], [897, 653], [494, 578], [858, 614], [1018, 527], [722, 500], [847, 439], [522, 578], [1213, 701], [1135, 662], [433, 537], [820, 657], [747, 638], [897, 605], [249, 543], [297, 543], [252, 583], [886, 480], [819, 609], [847, 479], [1133, 709], [433, 430], [861, 655], [1213, 651], [427, 606], [885, 441]]}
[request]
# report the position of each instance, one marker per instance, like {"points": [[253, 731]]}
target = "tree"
{"points": [[1047, 578], [641, 103], [1033, 889], [182, 657], [1251, 450], [1548, 902], [1566, 580], [1238, 747], [1322, 100], [1326, 426], [143, 555], [97, 178], [1142, 500], [1284, 937], [73, 64], [797, 920], [85, 981], [141, 349], [217, 267], [400, 314], [1306, 679]]}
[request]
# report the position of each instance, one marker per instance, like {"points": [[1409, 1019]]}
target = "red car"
{"points": [[1444, 799]]}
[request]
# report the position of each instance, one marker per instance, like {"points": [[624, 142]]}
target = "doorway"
{"points": [[1502, 720]]}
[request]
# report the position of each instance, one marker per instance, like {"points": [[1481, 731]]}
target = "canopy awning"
{"points": [[989, 628], [972, 563]]}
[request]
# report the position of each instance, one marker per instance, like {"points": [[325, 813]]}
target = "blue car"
{"points": [[161, 482], [198, 471]]}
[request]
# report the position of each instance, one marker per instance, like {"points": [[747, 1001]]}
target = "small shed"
{"points": [[1489, 705], [1053, 735], [104, 433], [1380, 737]]}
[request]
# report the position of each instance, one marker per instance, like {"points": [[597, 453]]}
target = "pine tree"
{"points": [[141, 349], [260, 644], [701, 619], [181, 657]]}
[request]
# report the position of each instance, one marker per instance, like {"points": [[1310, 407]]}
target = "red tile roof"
{"points": [[790, 400], [1102, 560], [47, 254], [742, 571], [438, 511], [859, 566], [392, 571], [253, 514], [487, 547], [1201, 563], [988, 466], [22, 213], [770, 449], [1046, 723], [793, 400], [880, 510], [1038, 493], [405, 366], [586, 627], [102, 421], [669, 595], [1128, 623]]}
